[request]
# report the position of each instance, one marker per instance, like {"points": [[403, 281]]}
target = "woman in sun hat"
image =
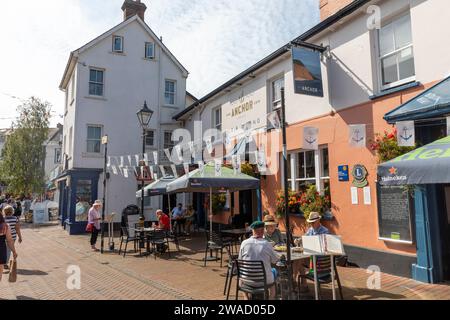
{"points": [[316, 227], [94, 219], [272, 233]]}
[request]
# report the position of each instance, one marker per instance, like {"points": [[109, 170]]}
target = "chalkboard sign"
{"points": [[394, 214]]}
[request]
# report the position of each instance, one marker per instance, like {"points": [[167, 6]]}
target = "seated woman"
{"points": [[272, 233], [190, 218]]}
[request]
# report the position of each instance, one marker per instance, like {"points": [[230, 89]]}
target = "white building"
{"points": [[106, 82]]}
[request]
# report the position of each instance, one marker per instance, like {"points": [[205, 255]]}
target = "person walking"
{"points": [[14, 227], [6, 241], [94, 219]]}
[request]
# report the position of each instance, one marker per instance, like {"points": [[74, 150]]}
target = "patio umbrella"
{"points": [[427, 165], [207, 181], [158, 188]]}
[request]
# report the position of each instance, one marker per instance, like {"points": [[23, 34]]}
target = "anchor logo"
{"points": [[405, 135], [310, 140], [357, 139]]}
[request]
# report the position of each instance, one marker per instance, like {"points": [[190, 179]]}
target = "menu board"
{"points": [[394, 213]]}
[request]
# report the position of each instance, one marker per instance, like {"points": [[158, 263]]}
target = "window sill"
{"points": [[92, 155], [96, 98], [149, 59], [397, 89], [170, 106], [118, 53]]}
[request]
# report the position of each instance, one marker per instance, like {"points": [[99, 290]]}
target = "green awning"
{"points": [[427, 165]]}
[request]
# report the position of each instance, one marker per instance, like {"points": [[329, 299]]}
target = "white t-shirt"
{"points": [[254, 249]]}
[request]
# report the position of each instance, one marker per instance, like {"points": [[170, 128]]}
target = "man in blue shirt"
{"points": [[316, 227], [178, 218]]}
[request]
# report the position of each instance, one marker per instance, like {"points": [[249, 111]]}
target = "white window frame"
{"points": [[174, 93], [114, 44], [319, 179], [214, 124], [273, 102], [96, 83], [170, 146], [55, 160], [379, 58], [147, 44], [99, 140]]}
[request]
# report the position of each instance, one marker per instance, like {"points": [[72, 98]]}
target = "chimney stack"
{"points": [[131, 8], [330, 7]]}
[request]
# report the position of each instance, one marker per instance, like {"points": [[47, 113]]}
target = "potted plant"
{"points": [[387, 148], [293, 203]]}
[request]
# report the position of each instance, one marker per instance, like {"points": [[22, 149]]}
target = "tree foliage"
{"points": [[22, 159]]}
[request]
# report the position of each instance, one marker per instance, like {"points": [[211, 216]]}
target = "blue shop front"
{"points": [[424, 175], [78, 191]]}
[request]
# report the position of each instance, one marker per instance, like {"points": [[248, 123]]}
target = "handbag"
{"points": [[89, 227], [13, 271]]}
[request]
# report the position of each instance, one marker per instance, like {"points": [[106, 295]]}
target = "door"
{"points": [[446, 237], [245, 208]]}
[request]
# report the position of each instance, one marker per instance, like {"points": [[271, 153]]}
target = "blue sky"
{"points": [[214, 39]]}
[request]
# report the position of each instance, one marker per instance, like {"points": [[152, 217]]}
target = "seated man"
{"points": [[164, 220], [272, 234], [316, 228], [178, 217], [257, 248]]}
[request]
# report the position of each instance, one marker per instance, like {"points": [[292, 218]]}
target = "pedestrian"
{"points": [[18, 209], [6, 241], [14, 227], [94, 219]]}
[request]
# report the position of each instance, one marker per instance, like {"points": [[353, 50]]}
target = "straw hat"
{"points": [[313, 217], [98, 203], [269, 221]]}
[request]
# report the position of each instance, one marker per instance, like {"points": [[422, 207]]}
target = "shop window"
{"points": [[83, 200], [396, 53]]}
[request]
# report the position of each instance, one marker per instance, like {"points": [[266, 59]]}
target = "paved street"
{"points": [[47, 252]]}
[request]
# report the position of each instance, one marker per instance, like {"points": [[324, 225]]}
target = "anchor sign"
{"points": [[406, 134], [357, 136], [311, 138]]}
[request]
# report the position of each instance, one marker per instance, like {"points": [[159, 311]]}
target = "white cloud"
{"points": [[214, 39]]}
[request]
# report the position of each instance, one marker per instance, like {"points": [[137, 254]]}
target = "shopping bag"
{"points": [[12, 271], [90, 228]]}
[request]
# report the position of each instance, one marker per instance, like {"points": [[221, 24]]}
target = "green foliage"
{"points": [[23, 156], [387, 148], [219, 201]]}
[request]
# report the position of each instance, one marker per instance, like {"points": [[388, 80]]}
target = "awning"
{"points": [[434, 102], [195, 181], [156, 188], [427, 165]]}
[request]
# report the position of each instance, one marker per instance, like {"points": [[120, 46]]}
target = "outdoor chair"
{"points": [[251, 279], [215, 243], [323, 274], [159, 238], [126, 238], [231, 272], [173, 237]]}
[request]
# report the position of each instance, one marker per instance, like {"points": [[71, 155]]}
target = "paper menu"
{"points": [[324, 244]]}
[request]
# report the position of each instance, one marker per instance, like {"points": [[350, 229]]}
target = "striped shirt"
{"points": [[12, 221]]}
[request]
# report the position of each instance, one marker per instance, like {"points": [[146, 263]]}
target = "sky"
{"points": [[214, 39]]}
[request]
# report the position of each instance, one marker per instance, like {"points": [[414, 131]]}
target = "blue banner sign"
{"points": [[343, 173]]}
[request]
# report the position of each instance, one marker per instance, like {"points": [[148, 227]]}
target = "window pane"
{"points": [[402, 32], [325, 163], [170, 98], [406, 63], [93, 146], [149, 50], [117, 44], [301, 166], [93, 75], [149, 139], [94, 133], [310, 164], [386, 40], [389, 70], [99, 76]]}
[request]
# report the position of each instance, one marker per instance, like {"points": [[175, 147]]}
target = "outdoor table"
{"points": [[145, 231], [236, 233]]}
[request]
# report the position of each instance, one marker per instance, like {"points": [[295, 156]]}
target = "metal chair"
{"points": [[252, 279], [215, 243], [231, 271], [158, 238], [125, 237], [323, 267]]}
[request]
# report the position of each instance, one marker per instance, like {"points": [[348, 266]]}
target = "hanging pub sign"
{"points": [[406, 134], [357, 138], [310, 138], [307, 72]]}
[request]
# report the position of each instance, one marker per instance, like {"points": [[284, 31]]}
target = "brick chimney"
{"points": [[330, 7], [131, 8]]}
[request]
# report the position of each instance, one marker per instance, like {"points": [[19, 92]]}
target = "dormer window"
{"points": [[118, 44], [149, 50]]}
